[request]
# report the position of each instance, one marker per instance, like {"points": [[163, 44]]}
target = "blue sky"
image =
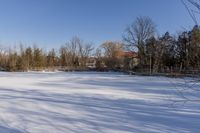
{"points": [[50, 23]]}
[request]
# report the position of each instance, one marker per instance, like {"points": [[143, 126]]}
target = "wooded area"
{"points": [[141, 50], [164, 53]]}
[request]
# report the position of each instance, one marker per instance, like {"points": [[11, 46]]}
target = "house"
{"points": [[131, 59], [91, 62]]}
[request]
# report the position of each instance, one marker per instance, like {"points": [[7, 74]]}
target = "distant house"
{"points": [[130, 54], [131, 59], [91, 62]]}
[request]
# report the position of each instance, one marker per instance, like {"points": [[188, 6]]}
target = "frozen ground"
{"points": [[93, 103]]}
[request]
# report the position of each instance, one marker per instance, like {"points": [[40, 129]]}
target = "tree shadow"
{"points": [[93, 113], [9, 130], [59, 110]]}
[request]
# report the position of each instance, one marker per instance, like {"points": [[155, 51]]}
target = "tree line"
{"points": [[180, 53], [74, 53], [165, 53]]}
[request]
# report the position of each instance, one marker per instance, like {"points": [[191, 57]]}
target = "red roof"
{"points": [[130, 54]]}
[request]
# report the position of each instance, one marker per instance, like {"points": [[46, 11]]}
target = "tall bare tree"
{"points": [[193, 8], [75, 52], [137, 33]]}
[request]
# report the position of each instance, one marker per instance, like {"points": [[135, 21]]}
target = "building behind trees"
{"points": [[141, 50]]}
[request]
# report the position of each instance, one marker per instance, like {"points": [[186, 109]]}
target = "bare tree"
{"points": [[99, 59], [3, 58], [140, 30], [193, 8], [38, 58], [51, 58], [112, 52], [84, 51], [189, 49], [75, 52], [137, 33]]}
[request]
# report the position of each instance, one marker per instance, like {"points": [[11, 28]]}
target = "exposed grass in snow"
{"points": [[89, 102]]}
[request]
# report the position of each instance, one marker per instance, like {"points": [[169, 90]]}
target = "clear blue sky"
{"points": [[50, 23]]}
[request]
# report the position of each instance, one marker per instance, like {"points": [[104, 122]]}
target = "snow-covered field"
{"points": [[89, 102]]}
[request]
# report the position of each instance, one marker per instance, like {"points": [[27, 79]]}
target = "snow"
{"points": [[92, 102]]}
